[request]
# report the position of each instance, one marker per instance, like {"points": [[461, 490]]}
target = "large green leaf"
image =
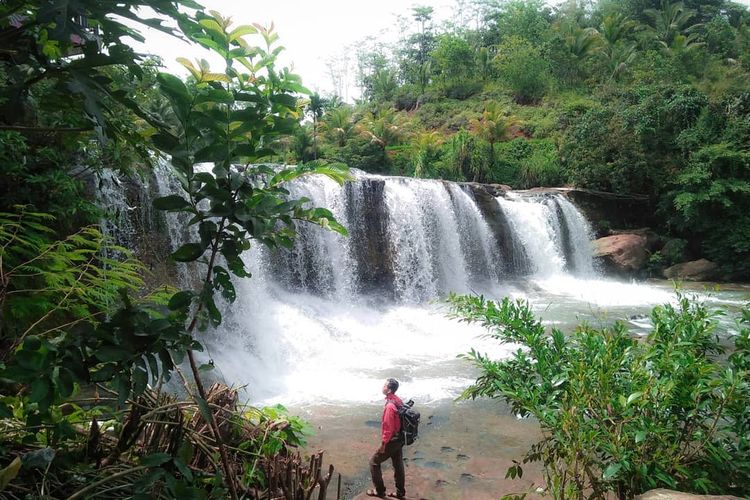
{"points": [[172, 202], [188, 252]]}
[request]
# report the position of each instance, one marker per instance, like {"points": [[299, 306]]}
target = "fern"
{"points": [[48, 283]]}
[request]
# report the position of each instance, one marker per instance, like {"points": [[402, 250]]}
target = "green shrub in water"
{"points": [[619, 413]]}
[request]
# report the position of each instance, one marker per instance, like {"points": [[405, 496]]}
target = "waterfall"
{"points": [[118, 225], [477, 242], [580, 236], [416, 240], [537, 228], [356, 309]]}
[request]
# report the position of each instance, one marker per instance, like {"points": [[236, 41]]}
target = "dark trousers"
{"points": [[393, 450]]}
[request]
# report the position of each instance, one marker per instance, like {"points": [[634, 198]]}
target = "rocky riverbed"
{"points": [[463, 451]]}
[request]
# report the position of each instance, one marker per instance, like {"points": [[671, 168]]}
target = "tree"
{"points": [[338, 125], [416, 52], [493, 127], [315, 108], [528, 20], [424, 151], [384, 128], [523, 68], [82, 336], [671, 21], [454, 62]]}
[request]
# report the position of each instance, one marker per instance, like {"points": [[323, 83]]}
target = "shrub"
{"points": [[523, 69], [524, 164], [618, 413]]}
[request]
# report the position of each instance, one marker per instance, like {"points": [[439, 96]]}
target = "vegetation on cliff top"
{"points": [[636, 97]]}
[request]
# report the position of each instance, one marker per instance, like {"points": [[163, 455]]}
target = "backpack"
{"points": [[409, 423]]}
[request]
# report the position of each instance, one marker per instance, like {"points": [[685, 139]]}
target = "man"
{"points": [[390, 445]]}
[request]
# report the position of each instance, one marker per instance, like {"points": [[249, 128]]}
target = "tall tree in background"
{"points": [[315, 109]]}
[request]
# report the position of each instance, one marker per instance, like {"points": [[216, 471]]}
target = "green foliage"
{"points": [[715, 186], [526, 20], [621, 414], [454, 66], [68, 323], [49, 283], [523, 164], [521, 65]]}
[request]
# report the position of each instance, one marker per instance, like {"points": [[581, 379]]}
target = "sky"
{"points": [[312, 32]]}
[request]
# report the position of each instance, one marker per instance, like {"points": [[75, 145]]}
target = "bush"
{"points": [[524, 163], [523, 69], [619, 413], [712, 202]]}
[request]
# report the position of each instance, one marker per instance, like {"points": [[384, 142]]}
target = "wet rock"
{"points": [[437, 420], [368, 221], [466, 478], [664, 494], [608, 210], [624, 255], [654, 242], [697, 270]]}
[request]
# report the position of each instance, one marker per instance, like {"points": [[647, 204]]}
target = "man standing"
{"points": [[390, 445]]}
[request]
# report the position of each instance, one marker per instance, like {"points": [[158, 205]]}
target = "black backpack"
{"points": [[409, 423]]}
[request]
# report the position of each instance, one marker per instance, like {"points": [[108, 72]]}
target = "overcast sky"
{"points": [[312, 31]]}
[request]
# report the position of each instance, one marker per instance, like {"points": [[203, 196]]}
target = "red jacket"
{"points": [[391, 421]]}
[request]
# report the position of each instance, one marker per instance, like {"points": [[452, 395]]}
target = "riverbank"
{"points": [[463, 451]]}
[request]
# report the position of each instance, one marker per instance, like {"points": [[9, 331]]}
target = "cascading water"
{"points": [[478, 244], [326, 321], [356, 309], [555, 236], [535, 225]]}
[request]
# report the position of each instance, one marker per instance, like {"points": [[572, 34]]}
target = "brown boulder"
{"points": [[664, 494], [622, 254], [696, 270]]}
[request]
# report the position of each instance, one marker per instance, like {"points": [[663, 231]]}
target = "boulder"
{"points": [[622, 254], [696, 270], [664, 494], [654, 242]]}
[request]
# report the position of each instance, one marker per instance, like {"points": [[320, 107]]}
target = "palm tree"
{"points": [[338, 125], [493, 127], [581, 42], [617, 58], [461, 149], [384, 84], [423, 148], [671, 20], [616, 28], [484, 63], [384, 128]]}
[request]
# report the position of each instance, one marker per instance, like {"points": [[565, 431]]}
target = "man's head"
{"points": [[390, 386]]}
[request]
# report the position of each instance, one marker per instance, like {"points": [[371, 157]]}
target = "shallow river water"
{"points": [[326, 361]]}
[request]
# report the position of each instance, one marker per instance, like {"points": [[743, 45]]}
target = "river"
{"points": [[319, 328]]}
